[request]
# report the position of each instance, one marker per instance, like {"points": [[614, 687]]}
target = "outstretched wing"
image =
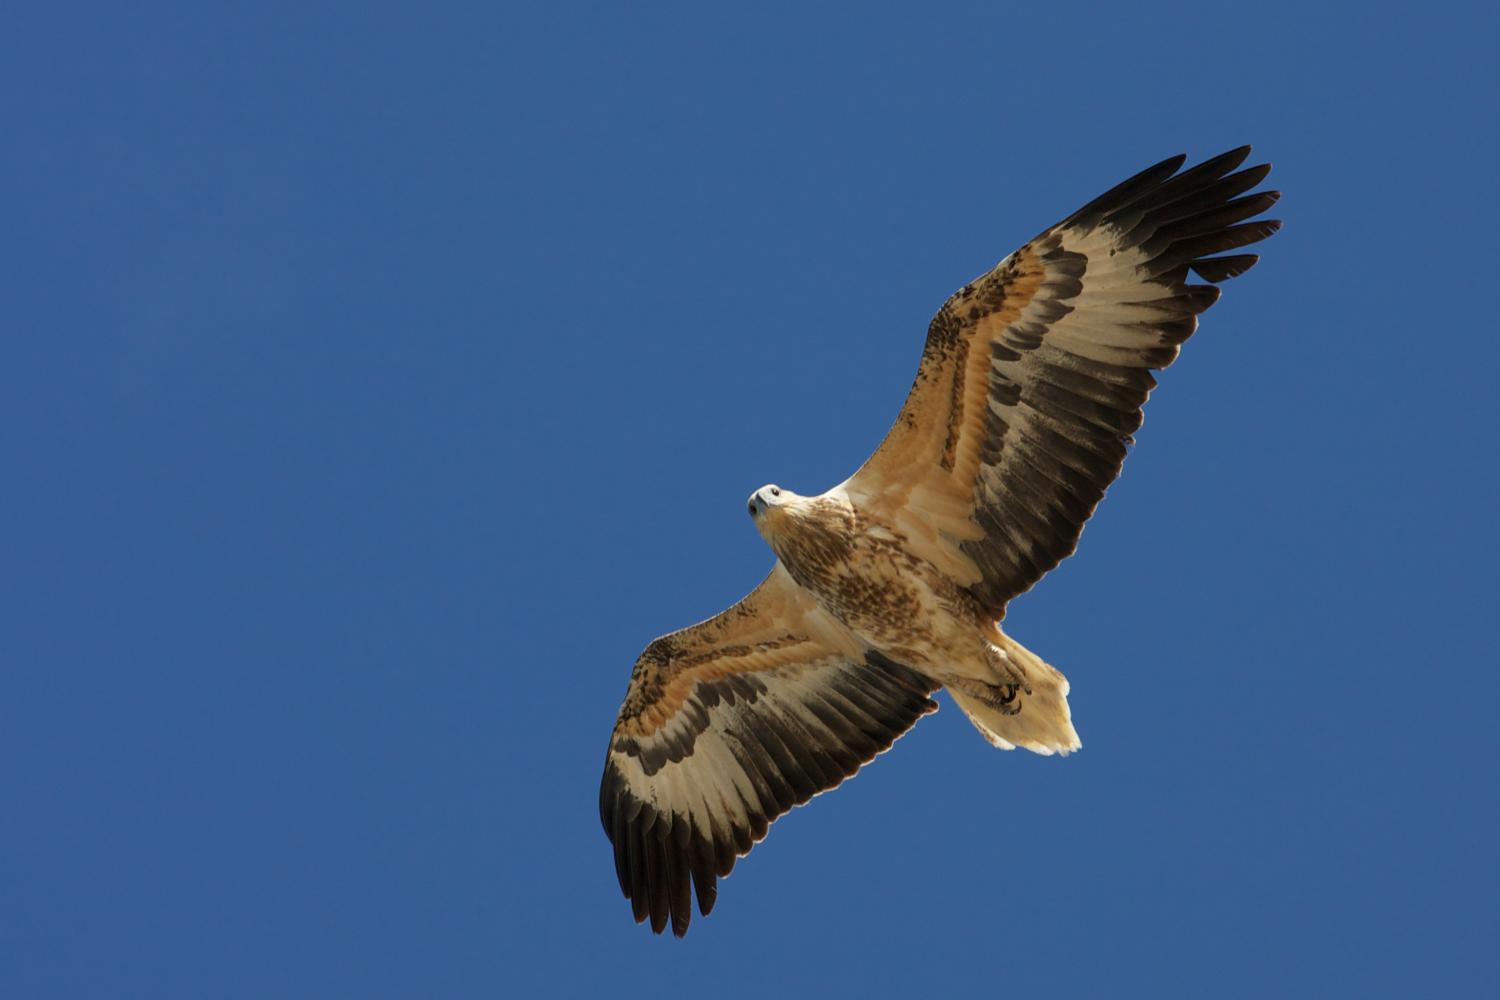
{"points": [[1033, 376], [729, 724]]}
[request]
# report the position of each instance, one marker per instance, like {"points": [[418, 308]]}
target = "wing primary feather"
{"points": [[1218, 269], [657, 906], [1174, 203], [620, 836], [1229, 238], [1194, 179], [1217, 218], [679, 887], [1125, 192], [1147, 221], [727, 848], [1192, 299], [702, 861], [640, 904]]}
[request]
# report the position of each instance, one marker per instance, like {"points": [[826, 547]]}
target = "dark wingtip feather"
{"points": [[1127, 191], [608, 794], [705, 885], [1217, 269], [657, 880], [679, 887], [1217, 217], [1203, 176], [1138, 199], [1226, 238]]}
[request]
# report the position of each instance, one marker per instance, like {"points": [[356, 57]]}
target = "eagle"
{"points": [[893, 583]]}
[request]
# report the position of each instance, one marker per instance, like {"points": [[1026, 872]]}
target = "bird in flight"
{"points": [[893, 583]]}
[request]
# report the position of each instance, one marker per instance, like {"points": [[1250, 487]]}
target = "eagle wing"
{"points": [[1034, 375], [729, 724]]}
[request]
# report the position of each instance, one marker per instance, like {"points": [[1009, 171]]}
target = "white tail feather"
{"points": [[1043, 725]]}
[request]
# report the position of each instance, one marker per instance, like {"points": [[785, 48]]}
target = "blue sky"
{"points": [[379, 380]]}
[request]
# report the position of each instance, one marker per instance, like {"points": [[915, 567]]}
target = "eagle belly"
{"points": [[865, 574]]}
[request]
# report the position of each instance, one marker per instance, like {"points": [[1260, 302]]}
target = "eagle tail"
{"points": [[1033, 715]]}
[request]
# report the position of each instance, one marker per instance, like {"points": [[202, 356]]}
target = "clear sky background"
{"points": [[376, 381]]}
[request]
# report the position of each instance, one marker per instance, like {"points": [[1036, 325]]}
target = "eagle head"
{"points": [[766, 499], [769, 508]]}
